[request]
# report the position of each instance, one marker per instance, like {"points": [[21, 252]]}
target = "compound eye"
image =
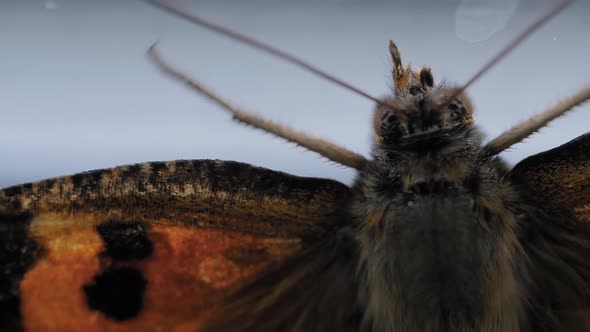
{"points": [[457, 109], [390, 125], [388, 122]]}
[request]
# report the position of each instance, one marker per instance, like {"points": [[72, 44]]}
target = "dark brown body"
{"points": [[447, 245], [439, 240]]}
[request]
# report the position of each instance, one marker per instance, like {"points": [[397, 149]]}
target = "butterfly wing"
{"points": [[560, 178], [154, 246], [555, 233]]}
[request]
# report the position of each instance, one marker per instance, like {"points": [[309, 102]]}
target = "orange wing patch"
{"points": [[189, 272]]}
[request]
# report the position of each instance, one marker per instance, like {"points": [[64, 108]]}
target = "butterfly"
{"points": [[436, 234]]}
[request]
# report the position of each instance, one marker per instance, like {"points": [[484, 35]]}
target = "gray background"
{"points": [[77, 93]]}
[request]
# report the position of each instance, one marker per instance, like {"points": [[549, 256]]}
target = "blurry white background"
{"points": [[77, 93]]}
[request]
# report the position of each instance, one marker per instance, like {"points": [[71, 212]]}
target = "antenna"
{"points": [[232, 34], [554, 10]]}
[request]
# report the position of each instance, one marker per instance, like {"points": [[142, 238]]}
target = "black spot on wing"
{"points": [[10, 316], [117, 293], [125, 240], [18, 253]]}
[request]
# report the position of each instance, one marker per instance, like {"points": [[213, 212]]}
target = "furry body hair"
{"points": [[440, 239]]}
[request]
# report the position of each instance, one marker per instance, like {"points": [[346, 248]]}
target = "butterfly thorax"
{"points": [[436, 239]]}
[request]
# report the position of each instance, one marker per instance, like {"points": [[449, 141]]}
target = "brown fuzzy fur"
{"points": [[441, 237]]}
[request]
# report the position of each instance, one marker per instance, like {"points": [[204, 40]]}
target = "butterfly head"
{"points": [[420, 111]]}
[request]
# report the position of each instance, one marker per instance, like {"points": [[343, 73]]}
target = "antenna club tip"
{"points": [[152, 48], [393, 47], [152, 51]]}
